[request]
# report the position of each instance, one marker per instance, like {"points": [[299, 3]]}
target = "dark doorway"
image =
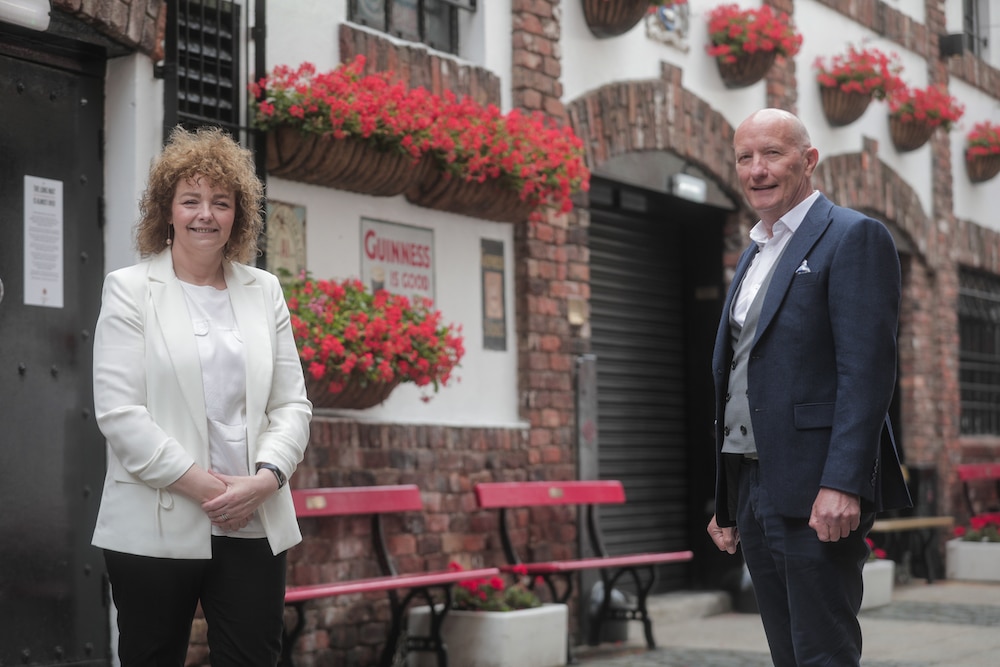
{"points": [[52, 265], [656, 291]]}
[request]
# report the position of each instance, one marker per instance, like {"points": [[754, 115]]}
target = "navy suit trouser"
{"points": [[808, 592], [241, 590]]}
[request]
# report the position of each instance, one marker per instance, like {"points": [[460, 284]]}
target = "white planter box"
{"points": [[972, 561], [523, 638], [878, 577]]}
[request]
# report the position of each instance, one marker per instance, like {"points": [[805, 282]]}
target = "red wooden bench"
{"points": [[976, 477], [377, 501], [505, 496]]}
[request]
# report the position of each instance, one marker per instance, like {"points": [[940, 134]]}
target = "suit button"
{"points": [[733, 366], [725, 431], [743, 430]]}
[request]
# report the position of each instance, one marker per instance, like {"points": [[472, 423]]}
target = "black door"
{"points": [[51, 267]]}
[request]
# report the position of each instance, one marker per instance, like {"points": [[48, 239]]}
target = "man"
{"points": [[804, 368]]}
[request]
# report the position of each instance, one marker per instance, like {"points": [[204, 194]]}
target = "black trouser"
{"points": [[241, 590]]}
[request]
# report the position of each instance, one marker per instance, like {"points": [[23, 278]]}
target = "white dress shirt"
{"points": [[769, 250]]}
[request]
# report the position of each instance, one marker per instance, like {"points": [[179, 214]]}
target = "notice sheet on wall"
{"points": [[43, 242]]}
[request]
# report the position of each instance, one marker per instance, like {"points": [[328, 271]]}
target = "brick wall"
{"points": [[135, 23]]}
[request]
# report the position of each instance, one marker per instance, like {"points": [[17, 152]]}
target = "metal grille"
{"points": [[979, 353], [638, 339]]}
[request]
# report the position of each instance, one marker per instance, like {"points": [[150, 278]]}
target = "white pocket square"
{"points": [[803, 267]]}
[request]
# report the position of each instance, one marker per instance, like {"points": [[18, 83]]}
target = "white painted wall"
{"points": [[973, 201]]}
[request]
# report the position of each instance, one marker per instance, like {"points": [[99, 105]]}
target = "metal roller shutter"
{"points": [[638, 338]]}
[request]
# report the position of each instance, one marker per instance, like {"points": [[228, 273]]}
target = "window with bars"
{"points": [[431, 22], [979, 352], [205, 62]]}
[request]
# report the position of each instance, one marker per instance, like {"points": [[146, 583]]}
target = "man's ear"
{"points": [[812, 159]]}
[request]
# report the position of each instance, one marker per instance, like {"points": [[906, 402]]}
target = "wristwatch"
{"points": [[278, 475]]}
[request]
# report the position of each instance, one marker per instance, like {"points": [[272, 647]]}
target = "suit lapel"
{"points": [[805, 237], [170, 306], [251, 310]]}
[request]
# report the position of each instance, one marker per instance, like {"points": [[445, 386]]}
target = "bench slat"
{"points": [[974, 471], [374, 584], [345, 501], [494, 495], [630, 560], [912, 523]]}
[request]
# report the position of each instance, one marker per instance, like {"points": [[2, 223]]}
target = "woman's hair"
{"points": [[212, 154]]}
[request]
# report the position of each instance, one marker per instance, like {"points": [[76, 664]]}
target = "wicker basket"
{"points": [[345, 164], [489, 200], [355, 396], [843, 108], [982, 168], [748, 69], [609, 18], [909, 136]]}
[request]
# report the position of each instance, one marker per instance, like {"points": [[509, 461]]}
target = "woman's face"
{"points": [[202, 216]]}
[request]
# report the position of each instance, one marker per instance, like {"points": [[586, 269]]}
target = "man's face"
{"points": [[772, 165]]}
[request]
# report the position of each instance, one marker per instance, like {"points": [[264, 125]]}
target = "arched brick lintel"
{"points": [[655, 115], [862, 181]]}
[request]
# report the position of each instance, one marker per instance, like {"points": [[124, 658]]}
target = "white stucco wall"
{"points": [[973, 201]]}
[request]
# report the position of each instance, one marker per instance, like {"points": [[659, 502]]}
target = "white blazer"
{"points": [[150, 405]]}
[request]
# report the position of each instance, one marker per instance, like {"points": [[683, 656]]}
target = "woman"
{"points": [[199, 392]]}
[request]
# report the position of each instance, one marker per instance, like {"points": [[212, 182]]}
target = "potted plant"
{"points": [[745, 42], [982, 152], [974, 553], [342, 129], [849, 82], [878, 577], [496, 624], [499, 166], [609, 18], [372, 134], [356, 347], [914, 114]]}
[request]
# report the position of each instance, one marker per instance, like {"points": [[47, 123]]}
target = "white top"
{"points": [[223, 374], [770, 249]]}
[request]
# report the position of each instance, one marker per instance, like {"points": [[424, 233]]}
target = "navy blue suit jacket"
{"points": [[822, 366]]}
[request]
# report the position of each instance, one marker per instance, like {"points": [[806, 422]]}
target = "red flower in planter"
{"points": [[525, 152], [931, 105], [983, 139], [341, 330], [868, 71], [493, 593], [733, 31]]}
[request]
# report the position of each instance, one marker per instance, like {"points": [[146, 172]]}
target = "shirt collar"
{"points": [[788, 223]]}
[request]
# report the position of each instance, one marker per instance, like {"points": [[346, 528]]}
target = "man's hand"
{"points": [[835, 514], [725, 538]]}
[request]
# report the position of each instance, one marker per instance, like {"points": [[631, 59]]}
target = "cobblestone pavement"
{"points": [[945, 624]]}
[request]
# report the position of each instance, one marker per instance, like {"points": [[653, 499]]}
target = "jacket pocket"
{"points": [[813, 415]]}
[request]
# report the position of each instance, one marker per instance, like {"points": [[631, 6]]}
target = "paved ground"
{"points": [[944, 624]]}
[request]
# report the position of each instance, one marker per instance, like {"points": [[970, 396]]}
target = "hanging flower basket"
{"points": [[609, 18], [354, 396], [348, 163], [909, 135], [488, 200], [842, 107], [747, 69], [982, 152], [982, 168]]}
